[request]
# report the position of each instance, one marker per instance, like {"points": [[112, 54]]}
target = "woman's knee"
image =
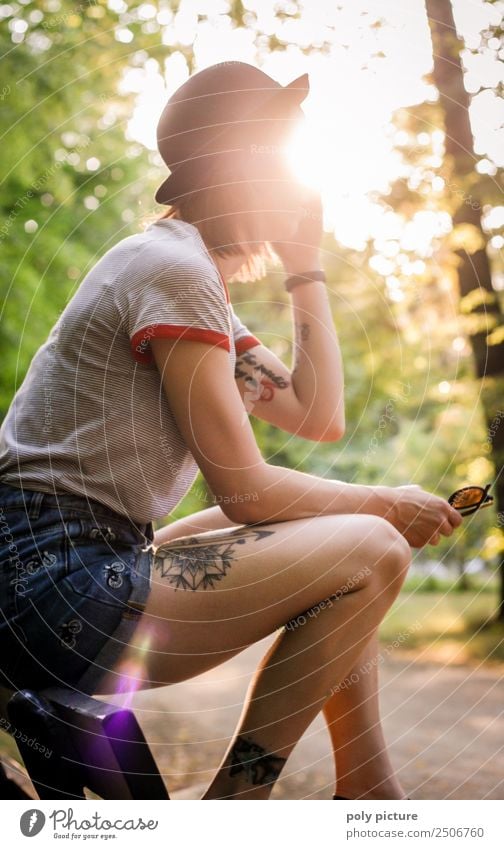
{"points": [[376, 555], [390, 554]]}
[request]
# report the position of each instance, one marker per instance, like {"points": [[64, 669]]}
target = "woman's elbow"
{"points": [[241, 513], [317, 431]]}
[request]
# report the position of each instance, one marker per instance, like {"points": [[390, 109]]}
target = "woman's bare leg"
{"points": [[363, 766], [218, 592], [362, 761], [290, 687], [210, 519]]}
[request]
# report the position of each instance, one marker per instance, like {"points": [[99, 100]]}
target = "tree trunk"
{"points": [[481, 303], [463, 580]]}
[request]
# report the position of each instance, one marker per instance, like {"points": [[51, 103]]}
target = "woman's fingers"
{"points": [[423, 517], [454, 516], [447, 519], [428, 536], [446, 528]]}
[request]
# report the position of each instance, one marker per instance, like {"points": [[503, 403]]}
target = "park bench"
{"points": [[70, 742]]}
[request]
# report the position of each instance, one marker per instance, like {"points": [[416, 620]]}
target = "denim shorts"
{"points": [[74, 581]]}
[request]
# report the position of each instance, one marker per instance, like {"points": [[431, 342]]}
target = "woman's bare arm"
{"points": [[307, 400], [199, 385], [317, 375]]}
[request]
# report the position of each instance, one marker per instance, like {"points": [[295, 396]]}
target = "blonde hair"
{"points": [[227, 216]]}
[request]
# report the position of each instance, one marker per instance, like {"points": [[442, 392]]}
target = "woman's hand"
{"points": [[302, 251], [420, 516]]}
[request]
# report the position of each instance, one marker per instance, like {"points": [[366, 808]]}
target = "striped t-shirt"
{"points": [[90, 416]]}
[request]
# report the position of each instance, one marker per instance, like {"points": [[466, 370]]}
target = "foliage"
{"points": [[73, 185]]}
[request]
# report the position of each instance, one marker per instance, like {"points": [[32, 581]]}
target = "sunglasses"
{"points": [[470, 498]]}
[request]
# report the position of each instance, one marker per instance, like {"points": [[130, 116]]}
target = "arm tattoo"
{"points": [[303, 330], [260, 389], [256, 764], [302, 333], [190, 563]]}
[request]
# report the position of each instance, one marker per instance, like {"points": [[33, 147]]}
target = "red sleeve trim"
{"points": [[140, 341], [246, 342]]}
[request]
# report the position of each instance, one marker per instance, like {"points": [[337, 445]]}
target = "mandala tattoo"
{"points": [[257, 765], [192, 564]]}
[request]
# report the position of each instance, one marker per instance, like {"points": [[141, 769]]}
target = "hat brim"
{"points": [[176, 184]]}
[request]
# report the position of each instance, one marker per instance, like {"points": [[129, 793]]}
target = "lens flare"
{"points": [[133, 672]]}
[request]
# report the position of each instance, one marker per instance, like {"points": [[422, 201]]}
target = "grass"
{"points": [[430, 583], [445, 626]]}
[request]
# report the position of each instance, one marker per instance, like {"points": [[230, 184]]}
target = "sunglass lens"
{"points": [[465, 498]]}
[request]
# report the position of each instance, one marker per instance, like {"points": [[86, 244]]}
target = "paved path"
{"points": [[444, 726]]}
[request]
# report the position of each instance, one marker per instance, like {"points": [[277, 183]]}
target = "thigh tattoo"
{"points": [[193, 564]]}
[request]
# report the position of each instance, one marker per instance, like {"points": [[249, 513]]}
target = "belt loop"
{"points": [[149, 533], [35, 505]]}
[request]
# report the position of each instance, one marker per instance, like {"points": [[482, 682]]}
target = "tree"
{"points": [[70, 181], [479, 301]]}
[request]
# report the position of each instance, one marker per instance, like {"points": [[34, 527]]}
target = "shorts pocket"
{"points": [[64, 631], [96, 568], [73, 596], [86, 616]]}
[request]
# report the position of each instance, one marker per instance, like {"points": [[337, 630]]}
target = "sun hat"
{"points": [[228, 118]]}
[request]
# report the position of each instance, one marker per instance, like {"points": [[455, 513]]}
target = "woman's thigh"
{"points": [[209, 519], [215, 593]]}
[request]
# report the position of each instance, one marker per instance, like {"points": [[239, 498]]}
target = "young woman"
{"points": [[147, 377]]}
